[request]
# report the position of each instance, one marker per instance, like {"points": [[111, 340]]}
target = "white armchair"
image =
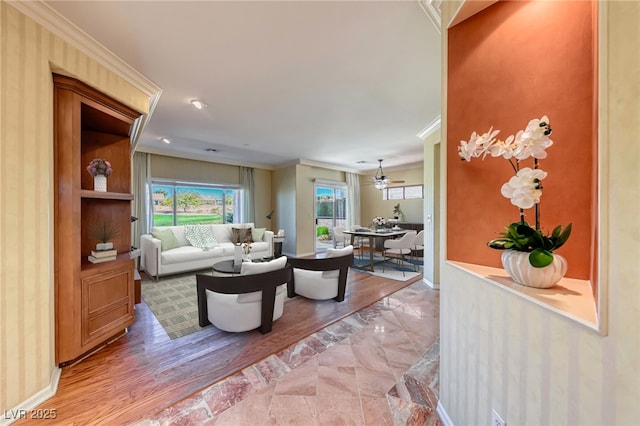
{"points": [[253, 299], [322, 279], [400, 247]]}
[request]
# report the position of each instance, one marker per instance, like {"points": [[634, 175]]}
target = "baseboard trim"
{"points": [[444, 417], [21, 410], [430, 284]]}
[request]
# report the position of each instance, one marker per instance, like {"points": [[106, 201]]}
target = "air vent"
{"points": [[211, 150]]}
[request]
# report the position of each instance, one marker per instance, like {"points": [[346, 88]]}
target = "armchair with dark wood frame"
{"points": [[341, 264], [266, 282]]}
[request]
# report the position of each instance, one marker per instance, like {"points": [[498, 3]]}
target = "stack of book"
{"points": [[99, 256]]}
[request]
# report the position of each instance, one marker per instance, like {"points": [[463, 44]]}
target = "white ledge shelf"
{"points": [[571, 298]]}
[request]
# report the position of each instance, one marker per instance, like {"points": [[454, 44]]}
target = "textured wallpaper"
{"points": [[28, 55]]}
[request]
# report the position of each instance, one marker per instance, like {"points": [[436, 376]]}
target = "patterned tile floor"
{"points": [[378, 366]]}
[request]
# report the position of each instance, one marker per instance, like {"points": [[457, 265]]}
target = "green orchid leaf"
{"points": [[535, 240], [500, 244], [548, 243], [556, 231], [564, 236], [540, 258], [525, 230]]}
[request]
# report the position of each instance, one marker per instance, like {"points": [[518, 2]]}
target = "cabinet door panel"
{"points": [[107, 303]]}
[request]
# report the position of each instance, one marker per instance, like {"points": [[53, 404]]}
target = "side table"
{"points": [[277, 246]]}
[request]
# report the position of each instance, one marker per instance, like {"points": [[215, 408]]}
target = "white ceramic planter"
{"points": [[104, 246], [517, 265]]}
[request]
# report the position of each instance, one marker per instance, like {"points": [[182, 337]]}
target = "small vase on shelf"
{"points": [[100, 183]]}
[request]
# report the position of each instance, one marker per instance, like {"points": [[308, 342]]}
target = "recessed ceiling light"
{"points": [[199, 103], [165, 140]]}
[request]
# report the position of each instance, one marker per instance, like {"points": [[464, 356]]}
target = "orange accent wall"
{"points": [[510, 63]]}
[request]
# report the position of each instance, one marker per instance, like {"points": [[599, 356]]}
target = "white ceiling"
{"points": [[323, 82]]}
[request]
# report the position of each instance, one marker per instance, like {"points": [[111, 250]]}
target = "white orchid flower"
{"points": [[534, 139], [523, 188], [477, 144], [502, 148]]}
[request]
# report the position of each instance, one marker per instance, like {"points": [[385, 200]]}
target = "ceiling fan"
{"points": [[380, 180]]}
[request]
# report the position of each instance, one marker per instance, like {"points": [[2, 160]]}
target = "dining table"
{"points": [[372, 235]]}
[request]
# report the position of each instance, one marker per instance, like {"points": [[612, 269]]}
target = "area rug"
{"points": [[390, 269], [174, 302], [173, 299]]}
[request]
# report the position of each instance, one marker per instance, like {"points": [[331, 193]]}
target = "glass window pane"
{"points": [[196, 205], [162, 205]]}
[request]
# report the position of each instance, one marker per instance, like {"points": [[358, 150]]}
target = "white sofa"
{"points": [[185, 257]]}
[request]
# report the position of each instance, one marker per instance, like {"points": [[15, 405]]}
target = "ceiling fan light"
{"points": [[380, 183]]}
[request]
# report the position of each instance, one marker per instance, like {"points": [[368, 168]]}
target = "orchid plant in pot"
{"points": [[529, 257]]}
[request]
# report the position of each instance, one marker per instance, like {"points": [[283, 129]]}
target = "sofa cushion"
{"points": [[336, 252], [222, 233], [200, 236], [189, 254], [251, 268], [260, 246], [167, 239], [257, 234]]}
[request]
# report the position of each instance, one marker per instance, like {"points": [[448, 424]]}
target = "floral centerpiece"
{"points": [[99, 167], [246, 252], [246, 248], [524, 190], [378, 221]]}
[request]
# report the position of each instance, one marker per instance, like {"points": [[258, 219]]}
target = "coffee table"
{"points": [[226, 267]]}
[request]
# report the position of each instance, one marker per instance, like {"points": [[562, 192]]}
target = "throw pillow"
{"points": [[257, 234], [251, 268], [336, 252], [241, 235], [200, 236], [167, 239]]}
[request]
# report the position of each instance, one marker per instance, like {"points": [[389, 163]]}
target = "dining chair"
{"points": [[418, 244], [338, 236], [398, 248], [359, 243]]}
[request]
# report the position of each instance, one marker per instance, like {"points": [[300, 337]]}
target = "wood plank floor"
{"points": [[144, 371]]}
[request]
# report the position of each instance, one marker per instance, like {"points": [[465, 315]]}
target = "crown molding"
{"points": [[57, 24], [429, 129], [433, 9], [329, 166], [50, 19]]}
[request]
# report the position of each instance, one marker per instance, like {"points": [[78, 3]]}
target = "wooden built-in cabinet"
{"points": [[94, 302]]}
